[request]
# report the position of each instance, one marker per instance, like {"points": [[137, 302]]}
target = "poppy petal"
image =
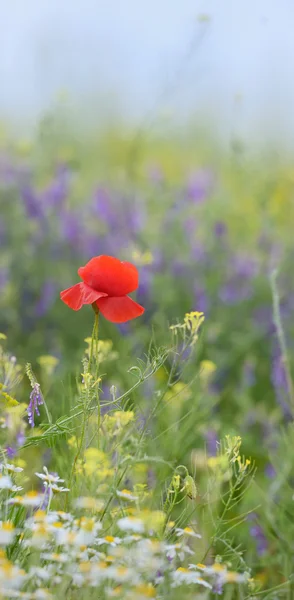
{"points": [[90, 295], [110, 275], [80, 294], [120, 309]]}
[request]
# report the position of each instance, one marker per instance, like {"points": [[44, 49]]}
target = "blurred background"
{"points": [[225, 63]]}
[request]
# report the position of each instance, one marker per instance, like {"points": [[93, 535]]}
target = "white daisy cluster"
{"points": [[132, 555]]}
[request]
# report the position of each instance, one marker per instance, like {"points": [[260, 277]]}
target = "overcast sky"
{"points": [[137, 54]]}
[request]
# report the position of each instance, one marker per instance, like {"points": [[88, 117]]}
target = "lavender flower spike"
{"points": [[36, 400]]}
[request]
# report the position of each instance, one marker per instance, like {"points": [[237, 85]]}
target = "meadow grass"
{"points": [[161, 462]]}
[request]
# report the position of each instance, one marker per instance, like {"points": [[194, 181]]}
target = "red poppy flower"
{"points": [[106, 283]]}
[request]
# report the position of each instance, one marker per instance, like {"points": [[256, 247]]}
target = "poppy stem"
{"points": [[96, 326], [94, 341]]}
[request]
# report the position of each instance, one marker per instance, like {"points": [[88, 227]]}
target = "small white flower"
{"points": [[110, 540], [41, 594], [132, 538], [131, 524], [10, 468], [89, 503], [5, 482], [127, 495], [56, 488], [54, 557], [29, 499], [188, 531], [11, 577], [179, 550], [78, 579], [7, 533], [40, 573], [184, 576], [48, 477], [54, 516], [122, 574], [40, 535], [62, 536]]}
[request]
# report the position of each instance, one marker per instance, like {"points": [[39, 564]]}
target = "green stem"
{"points": [[47, 411], [94, 340], [96, 376]]}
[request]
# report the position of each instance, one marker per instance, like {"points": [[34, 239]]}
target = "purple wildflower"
{"points": [[199, 185], [256, 531], [245, 267], [202, 301], [248, 376], [234, 291], [218, 587], [211, 442], [10, 452], [261, 541], [71, 227], [46, 498], [46, 298], [20, 438], [32, 203], [263, 319], [199, 252], [220, 229], [270, 471], [135, 217], [55, 194], [36, 400], [102, 206]]}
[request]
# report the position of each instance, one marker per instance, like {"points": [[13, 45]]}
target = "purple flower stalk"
{"points": [[36, 400], [46, 491], [211, 442], [218, 587], [256, 531], [10, 452]]}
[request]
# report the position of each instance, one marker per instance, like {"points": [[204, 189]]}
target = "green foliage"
{"points": [[148, 425]]}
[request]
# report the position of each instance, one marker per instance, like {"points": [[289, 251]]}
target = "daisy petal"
{"points": [[110, 275], [119, 309], [80, 294]]}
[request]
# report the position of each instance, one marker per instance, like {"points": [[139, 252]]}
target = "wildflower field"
{"points": [[146, 440]]}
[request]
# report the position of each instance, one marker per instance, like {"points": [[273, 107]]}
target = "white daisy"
{"points": [[10, 468], [29, 499], [110, 540], [56, 488], [6, 482], [185, 576], [40, 573], [7, 533], [177, 550], [122, 574], [55, 557], [131, 524], [49, 477], [127, 495], [11, 577], [89, 503], [188, 531], [16, 488]]}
